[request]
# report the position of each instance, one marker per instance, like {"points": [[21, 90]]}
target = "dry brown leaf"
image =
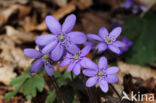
{"points": [[91, 22], [60, 3], [11, 54], [136, 71], [6, 74], [83, 4], [13, 9], [60, 13], [147, 3], [19, 36]]}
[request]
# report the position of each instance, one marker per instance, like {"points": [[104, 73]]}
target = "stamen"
{"points": [[61, 37], [100, 73], [45, 57], [76, 56], [107, 40]]}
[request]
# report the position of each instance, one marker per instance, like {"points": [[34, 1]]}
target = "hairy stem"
{"points": [[77, 96], [89, 93], [57, 92]]}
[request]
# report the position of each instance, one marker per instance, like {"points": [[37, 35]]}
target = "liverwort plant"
{"points": [[61, 39], [41, 60], [100, 74], [74, 60], [108, 40], [62, 45]]}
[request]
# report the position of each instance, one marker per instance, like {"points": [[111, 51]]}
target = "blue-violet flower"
{"points": [[41, 60], [108, 40], [132, 4], [74, 60], [127, 45], [100, 74], [61, 38]]}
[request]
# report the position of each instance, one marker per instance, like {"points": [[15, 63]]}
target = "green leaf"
{"points": [[32, 85], [51, 97], [17, 84], [143, 33]]}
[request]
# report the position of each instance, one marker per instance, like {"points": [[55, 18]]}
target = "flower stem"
{"points": [[113, 88], [77, 96], [53, 78], [91, 97], [58, 91]]}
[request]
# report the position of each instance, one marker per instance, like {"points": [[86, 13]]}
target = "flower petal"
{"points": [[36, 66], [143, 8], [112, 70], [119, 44], [114, 49], [53, 24], [48, 48], [86, 50], [89, 72], [130, 43], [45, 39], [116, 32], [87, 63], [72, 48], [128, 4], [32, 53], [77, 69], [77, 37], [102, 64], [112, 79], [94, 37], [49, 69], [103, 85], [69, 23], [70, 67], [65, 62], [57, 53], [101, 47], [91, 81], [103, 32]]}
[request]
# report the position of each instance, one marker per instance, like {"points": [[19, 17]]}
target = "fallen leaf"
{"points": [[83, 4], [7, 73], [60, 13], [60, 3], [18, 9], [136, 71]]}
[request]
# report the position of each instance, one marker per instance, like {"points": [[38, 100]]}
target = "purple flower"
{"points": [[108, 40], [127, 44], [61, 38], [131, 4], [41, 60], [100, 74], [74, 60]]}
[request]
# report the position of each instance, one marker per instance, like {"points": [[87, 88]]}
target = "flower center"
{"points": [[61, 37], [100, 73], [76, 56], [45, 57], [107, 40]]}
